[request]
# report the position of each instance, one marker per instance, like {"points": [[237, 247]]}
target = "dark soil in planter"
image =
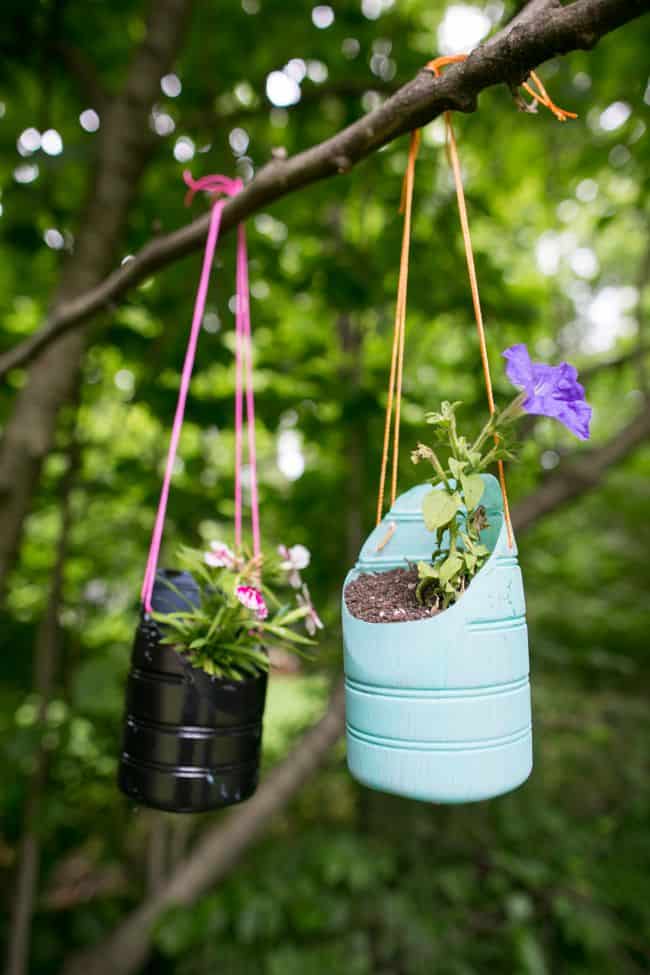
{"points": [[386, 597]]}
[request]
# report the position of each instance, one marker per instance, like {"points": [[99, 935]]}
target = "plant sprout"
{"points": [[455, 513], [247, 606]]}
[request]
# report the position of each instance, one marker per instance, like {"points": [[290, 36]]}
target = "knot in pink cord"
{"points": [[243, 374], [211, 184]]}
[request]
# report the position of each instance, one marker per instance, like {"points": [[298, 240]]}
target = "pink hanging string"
{"points": [[243, 375], [245, 359]]}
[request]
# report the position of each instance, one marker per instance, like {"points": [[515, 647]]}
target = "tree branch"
{"points": [[123, 150], [631, 356], [541, 31], [574, 477], [47, 652], [223, 844], [217, 851]]}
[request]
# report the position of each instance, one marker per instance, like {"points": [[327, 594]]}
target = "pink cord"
{"points": [[243, 372], [244, 318]]}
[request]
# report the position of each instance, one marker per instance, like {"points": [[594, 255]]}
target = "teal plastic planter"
{"points": [[439, 709]]}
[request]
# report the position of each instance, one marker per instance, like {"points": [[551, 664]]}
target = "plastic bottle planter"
{"points": [[191, 741], [439, 709]]}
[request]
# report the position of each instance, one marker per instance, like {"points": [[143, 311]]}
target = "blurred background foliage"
{"points": [[551, 879]]}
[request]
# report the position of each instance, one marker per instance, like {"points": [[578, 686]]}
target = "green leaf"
{"points": [[439, 508], [470, 561], [457, 466], [428, 571], [216, 622], [285, 619], [425, 585], [473, 488], [286, 634], [448, 409], [449, 568]]}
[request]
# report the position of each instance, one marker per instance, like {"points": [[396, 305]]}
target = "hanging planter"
{"points": [[191, 740], [438, 708], [434, 620], [197, 685]]}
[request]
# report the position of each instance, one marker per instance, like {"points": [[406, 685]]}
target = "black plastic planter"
{"points": [[191, 741]]}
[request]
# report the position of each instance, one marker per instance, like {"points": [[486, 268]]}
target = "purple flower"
{"points": [[252, 598], [550, 390]]}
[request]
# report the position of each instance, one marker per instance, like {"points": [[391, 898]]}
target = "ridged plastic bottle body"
{"points": [[191, 742], [439, 709]]}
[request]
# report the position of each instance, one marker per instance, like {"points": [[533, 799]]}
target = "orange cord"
{"points": [[540, 96], [399, 330], [545, 99], [476, 301]]}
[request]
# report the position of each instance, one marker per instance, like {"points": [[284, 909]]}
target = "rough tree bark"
{"points": [[123, 151], [222, 845], [542, 30], [46, 659]]}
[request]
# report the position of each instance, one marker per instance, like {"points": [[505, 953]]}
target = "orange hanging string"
{"points": [[476, 301], [539, 96], [542, 97], [399, 329]]}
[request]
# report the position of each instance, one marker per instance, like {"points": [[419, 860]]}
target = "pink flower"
{"points": [[221, 557], [294, 559], [313, 621], [252, 598]]}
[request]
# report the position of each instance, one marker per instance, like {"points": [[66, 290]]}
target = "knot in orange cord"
{"points": [[541, 96]]}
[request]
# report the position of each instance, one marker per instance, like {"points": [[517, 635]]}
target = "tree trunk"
{"points": [[157, 851], [125, 146], [221, 847], [46, 659], [216, 852]]}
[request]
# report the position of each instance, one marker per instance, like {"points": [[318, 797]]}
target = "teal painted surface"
{"points": [[439, 710]]}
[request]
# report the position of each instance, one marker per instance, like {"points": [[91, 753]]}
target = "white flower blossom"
{"points": [[294, 559]]}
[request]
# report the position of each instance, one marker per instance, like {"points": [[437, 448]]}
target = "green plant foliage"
{"points": [[552, 878], [454, 512], [229, 633]]}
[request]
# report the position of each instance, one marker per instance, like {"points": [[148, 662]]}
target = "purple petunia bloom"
{"points": [[550, 390]]}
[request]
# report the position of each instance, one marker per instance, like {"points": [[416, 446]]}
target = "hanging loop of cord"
{"points": [[435, 66], [541, 96], [243, 376], [393, 403], [394, 398]]}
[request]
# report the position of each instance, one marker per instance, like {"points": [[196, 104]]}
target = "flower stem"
{"points": [[513, 410], [439, 469], [489, 458], [453, 437], [484, 434]]}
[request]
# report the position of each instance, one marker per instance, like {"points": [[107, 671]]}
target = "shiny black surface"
{"points": [[191, 741], [186, 789]]}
